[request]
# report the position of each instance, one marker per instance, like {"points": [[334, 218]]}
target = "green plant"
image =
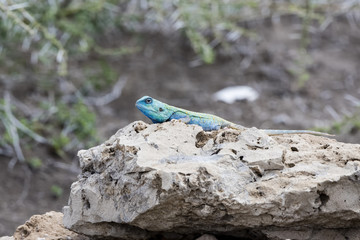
{"points": [[53, 30], [35, 162], [207, 23], [101, 76], [58, 30], [78, 119], [59, 142], [14, 128], [348, 124], [299, 67], [56, 191], [65, 124]]}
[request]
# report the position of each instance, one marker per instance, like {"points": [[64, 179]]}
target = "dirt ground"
{"points": [[163, 70]]}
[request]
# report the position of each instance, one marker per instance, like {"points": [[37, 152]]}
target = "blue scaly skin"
{"points": [[160, 112]]}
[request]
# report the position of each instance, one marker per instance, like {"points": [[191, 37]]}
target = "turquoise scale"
{"points": [[208, 124]]}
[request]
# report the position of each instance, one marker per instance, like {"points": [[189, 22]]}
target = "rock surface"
{"points": [[6, 238], [43, 227], [175, 179]]}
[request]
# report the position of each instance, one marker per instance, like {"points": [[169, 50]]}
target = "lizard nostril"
{"points": [[161, 109]]}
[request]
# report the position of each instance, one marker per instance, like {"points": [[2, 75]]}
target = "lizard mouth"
{"points": [[144, 109]]}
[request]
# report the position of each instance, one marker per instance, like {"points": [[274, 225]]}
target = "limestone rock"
{"points": [[6, 238], [206, 237], [46, 226], [176, 179]]}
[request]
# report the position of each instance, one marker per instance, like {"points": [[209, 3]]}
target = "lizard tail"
{"points": [[278, 132], [235, 126]]}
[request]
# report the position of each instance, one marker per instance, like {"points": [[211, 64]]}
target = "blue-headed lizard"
{"points": [[160, 112]]}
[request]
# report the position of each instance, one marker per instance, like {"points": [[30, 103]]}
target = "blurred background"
{"points": [[71, 71]]}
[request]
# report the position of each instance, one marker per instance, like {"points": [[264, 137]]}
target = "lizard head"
{"points": [[157, 111]]}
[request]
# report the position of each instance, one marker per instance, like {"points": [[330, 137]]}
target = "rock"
{"points": [[328, 234], [175, 179], [6, 238], [44, 227], [206, 237]]}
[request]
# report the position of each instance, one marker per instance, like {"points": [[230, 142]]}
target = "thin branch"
{"points": [[16, 19], [12, 125], [111, 96], [68, 167], [12, 131], [12, 163], [62, 55], [16, 123]]}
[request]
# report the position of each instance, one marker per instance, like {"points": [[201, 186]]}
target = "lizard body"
{"points": [[159, 112]]}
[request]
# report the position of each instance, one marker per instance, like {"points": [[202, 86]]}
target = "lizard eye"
{"points": [[148, 100], [161, 109]]}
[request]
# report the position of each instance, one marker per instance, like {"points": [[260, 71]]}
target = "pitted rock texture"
{"points": [[44, 227], [174, 178]]}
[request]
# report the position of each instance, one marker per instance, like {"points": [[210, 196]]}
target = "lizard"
{"points": [[159, 112]]}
